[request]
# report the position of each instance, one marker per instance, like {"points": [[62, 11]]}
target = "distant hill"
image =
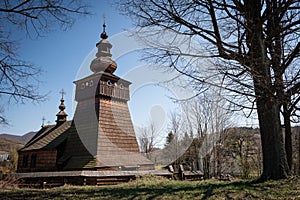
{"points": [[9, 142]]}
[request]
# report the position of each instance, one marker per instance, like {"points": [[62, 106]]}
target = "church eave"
{"points": [[101, 76]]}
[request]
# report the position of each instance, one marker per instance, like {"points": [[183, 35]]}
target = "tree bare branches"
{"points": [[148, 138], [37, 16], [254, 46], [18, 78]]}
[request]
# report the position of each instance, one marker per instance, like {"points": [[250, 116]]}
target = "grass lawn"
{"points": [[157, 188]]}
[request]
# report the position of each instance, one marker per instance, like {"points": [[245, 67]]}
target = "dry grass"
{"points": [[158, 188]]}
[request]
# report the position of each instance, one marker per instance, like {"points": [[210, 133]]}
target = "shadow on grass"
{"points": [[160, 190], [215, 189]]}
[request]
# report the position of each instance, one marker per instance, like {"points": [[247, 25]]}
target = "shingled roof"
{"points": [[48, 137], [75, 155]]}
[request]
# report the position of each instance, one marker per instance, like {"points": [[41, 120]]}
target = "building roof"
{"points": [[122, 158], [75, 155], [48, 137]]}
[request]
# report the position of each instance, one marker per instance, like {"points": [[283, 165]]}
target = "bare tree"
{"points": [[242, 146], [255, 47], [175, 126], [199, 112], [34, 18], [148, 138], [209, 117], [177, 141]]}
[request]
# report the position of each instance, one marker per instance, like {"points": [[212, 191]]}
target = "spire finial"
{"points": [[103, 61], [104, 34], [61, 115], [62, 92], [104, 24], [43, 121]]}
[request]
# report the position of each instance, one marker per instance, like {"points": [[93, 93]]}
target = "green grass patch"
{"points": [[158, 188]]}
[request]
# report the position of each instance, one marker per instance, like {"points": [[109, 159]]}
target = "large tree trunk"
{"points": [[274, 156], [268, 110]]}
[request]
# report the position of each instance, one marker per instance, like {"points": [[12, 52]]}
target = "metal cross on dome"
{"points": [[43, 121], [104, 25], [62, 92]]}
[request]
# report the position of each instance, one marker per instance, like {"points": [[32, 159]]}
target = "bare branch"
{"points": [[19, 79]]}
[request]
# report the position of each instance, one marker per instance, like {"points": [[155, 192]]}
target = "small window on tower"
{"points": [[91, 83]]}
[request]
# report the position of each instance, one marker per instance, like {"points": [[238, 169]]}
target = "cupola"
{"points": [[61, 115], [103, 61]]}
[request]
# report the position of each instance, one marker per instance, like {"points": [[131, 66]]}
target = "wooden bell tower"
{"points": [[102, 117]]}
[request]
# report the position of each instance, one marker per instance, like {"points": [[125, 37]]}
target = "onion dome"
{"points": [[61, 115], [103, 61]]}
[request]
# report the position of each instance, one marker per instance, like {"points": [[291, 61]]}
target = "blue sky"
{"points": [[60, 54], [64, 57]]}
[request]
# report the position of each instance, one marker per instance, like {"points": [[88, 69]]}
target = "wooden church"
{"points": [[100, 136]]}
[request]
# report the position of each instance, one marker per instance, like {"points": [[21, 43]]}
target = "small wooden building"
{"points": [[101, 134]]}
